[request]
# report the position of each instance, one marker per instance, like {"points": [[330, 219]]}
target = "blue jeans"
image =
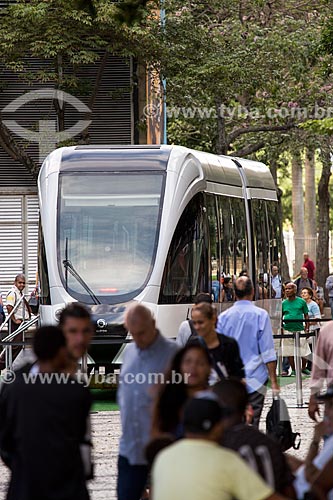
{"points": [[131, 480]]}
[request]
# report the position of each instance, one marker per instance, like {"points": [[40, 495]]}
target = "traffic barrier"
{"points": [[296, 336]]}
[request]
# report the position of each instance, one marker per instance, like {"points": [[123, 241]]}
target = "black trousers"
{"points": [[131, 480], [16, 349], [256, 400]]}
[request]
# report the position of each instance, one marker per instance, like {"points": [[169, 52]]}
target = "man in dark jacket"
{"points": [[43, 416]]}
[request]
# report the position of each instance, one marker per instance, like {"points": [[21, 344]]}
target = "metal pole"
{"points": [[298, 368], [84, 363], [23, 320], [279, 366]]}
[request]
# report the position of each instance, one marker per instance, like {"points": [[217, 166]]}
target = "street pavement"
{"points": [[106, 433]]}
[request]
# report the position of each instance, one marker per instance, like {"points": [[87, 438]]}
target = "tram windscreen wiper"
{"points": [[70, 268]]}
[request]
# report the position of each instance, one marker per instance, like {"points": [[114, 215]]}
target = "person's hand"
{"points": [[275, 388], [319, 431], [313, 409], [249, 414]]}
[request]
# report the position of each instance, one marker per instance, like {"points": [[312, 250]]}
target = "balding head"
{"points": [[305, 256], [244, 288], [141, 324], [290, 290], [304, 273]]}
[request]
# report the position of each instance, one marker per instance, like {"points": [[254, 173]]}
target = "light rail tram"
{"points": [[154, 224]]}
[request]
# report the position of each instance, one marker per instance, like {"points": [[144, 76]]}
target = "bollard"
{"points": [[298, 368]]}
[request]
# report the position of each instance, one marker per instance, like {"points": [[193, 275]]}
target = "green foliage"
{"points": [[257, 61], [323, 127]]}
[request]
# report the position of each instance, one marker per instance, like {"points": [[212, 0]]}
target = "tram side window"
{"points": [[275, 241], [186, 269], [240, 253], [214, 250], [261, 249], [43, 277], [227, 240]]}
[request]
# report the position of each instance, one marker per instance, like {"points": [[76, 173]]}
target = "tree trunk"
{"points": [[222, 144], [88, 116], [322, 269], [310, 211], [298, 210], [284, 267]]}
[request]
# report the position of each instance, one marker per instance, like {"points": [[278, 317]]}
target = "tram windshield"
{"points": [[108, 231]]}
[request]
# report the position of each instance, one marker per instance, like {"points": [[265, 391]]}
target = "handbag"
{"points": [[34, 304]]}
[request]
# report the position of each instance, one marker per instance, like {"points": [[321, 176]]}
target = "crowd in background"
{"points": [[194, 433]]}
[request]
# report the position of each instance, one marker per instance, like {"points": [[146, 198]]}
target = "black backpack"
{"points": [[278, 426]]}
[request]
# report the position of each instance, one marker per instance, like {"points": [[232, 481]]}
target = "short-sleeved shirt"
{"points": [[314, 312], [196, 469], [294, 309], [12, 298], [261, 453]]}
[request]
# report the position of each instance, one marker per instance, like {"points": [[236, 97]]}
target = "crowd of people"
{"points": [[190, 410]]}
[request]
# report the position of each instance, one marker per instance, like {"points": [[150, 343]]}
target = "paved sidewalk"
{"points": [[106, 432]]}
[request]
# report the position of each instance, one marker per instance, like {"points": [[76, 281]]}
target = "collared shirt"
{"points": [[322, 366], [277, 286], [251, 327], [13, 297], [138, 382], [193, 469]]}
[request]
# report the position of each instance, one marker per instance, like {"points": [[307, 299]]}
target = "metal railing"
{"points": [[9, 344], [296, 336]]}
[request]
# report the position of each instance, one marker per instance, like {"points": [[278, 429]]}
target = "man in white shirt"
{"points": [[276, 282], [20, 314]]}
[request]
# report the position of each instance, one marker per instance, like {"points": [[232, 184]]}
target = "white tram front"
{"points": [[155, 224]]}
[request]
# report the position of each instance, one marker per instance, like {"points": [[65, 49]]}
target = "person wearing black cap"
{"points": [[197, 467], [261, 453], [317, 460], [186, 329]]}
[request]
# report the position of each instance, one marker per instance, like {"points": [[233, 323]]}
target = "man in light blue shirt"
{"points": [[145, 361], [251, 327]]}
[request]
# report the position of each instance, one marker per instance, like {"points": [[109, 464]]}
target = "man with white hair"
{"points": [[149, 354]]}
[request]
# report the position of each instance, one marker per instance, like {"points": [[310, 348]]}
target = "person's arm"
{"points": [[323, 482], [271, 367], [15, 320], [318, 375], [329, 283], [311, 470], [307, 325], [184, 333], [267, 351]]}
